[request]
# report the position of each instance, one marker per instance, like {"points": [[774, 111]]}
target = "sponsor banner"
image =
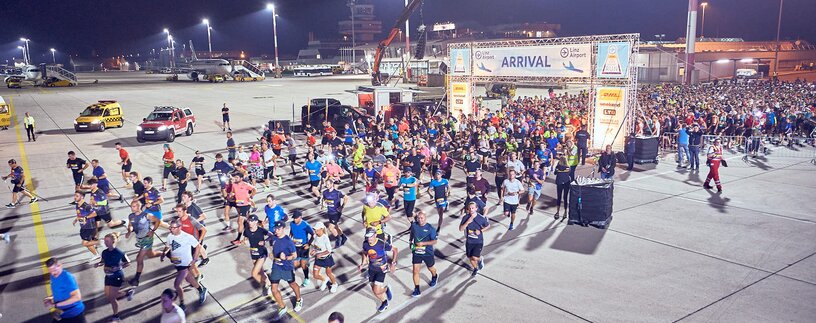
{"points": [[540, 60], [610, 112], [461, 99], [613, 60], [460, 61]]}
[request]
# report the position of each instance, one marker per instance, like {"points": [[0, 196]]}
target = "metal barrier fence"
{"points": [[755, 146]]}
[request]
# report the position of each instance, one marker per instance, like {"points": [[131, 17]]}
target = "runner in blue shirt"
{"points": [[85, 215], [334, 201], [535, 182], [274, 212], [313, 167], [284, 253], [474, 225], [409, 184], [100, 200], [375, 256], [66, 298], [100, 175], [302, 235], [423, 237], [441, 190]]}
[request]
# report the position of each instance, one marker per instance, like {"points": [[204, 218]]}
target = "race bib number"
{"points": [[419, 250], [254, 252], [82, 220], [440, 200], [175, 260], [328, 203], [407, 189], [297, 242], [471, 174]]}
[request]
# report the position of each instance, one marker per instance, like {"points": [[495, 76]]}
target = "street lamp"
{"points": [[702, 27], [209, 36], [776, 52], [170, 46], [53, 55], [27, 54], [270, 6], [24, 54]]}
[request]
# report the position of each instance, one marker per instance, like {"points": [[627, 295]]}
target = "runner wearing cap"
{"points": [[375, 215], [441, 191], [322, 251], [284, 253], [302, 235], [375, 255], [255, 237], [473, 225], [334, 201], [423, 237], [409, 185]]}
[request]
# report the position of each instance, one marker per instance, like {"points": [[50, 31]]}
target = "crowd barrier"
{"points": [[775, 146]]}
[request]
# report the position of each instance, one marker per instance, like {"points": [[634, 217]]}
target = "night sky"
{"points": [[119, 27]]}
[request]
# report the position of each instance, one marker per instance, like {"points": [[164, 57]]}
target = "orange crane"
{"points": [[376, 76]]}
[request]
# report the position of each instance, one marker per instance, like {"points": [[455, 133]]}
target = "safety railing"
{"points": [[61, 73]]}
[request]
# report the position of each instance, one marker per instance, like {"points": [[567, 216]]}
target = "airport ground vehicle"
{"points": [[309, 71], [5, 114], [100, 116], [165, 123], [14, 83], [55, 82]]}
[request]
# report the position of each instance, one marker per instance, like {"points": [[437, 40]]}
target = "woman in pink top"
{"points": [[256, 169]]}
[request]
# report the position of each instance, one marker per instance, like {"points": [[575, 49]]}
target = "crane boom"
{"points": [[376, 77]]}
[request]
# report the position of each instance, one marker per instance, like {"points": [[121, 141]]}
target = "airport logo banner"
{"points": [[613, 60], [541, 61], [460, 61], [610, 112], [461, 98]]}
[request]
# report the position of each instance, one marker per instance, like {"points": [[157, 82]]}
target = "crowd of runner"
{"points": [[393, 163]]}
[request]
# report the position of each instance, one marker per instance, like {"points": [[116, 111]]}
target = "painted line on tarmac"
{"points": [[36, 217]]}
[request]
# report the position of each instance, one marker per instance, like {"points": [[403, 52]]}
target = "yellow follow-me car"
{"points": [[99, 116]]}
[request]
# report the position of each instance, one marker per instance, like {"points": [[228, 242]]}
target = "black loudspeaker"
{"points": [[646, 150], [284, 125], [591, 204]]}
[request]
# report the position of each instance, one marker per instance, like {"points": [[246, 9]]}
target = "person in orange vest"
{"points": [[714, 160]]}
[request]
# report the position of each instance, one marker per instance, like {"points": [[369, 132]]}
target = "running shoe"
{"points": [[282, 311], [254, 209], [323, 286], [94, 258], [434, 280], [35, 199], [280, 181], [197, 191], [115, 318], [383, 307], [204, 262], [305, 283], [388, 292], [416, 292], [510, 228], [202, 295], [163, 189], [343, 240], [298, 305], [130, 294], [268, 290], [133, 282], [474, 273], [235, 242], [333, 289], [10, 206], [481, 263]]}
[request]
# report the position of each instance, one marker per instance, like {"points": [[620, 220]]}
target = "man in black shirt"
{"points": [[138, 188], [581, 137], [182, 176], [198, 165], [225, 118], [77, 167], [695, 140], [471, 166]]}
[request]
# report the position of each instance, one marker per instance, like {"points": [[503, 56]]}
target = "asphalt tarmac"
{"points": [[674, 251]]}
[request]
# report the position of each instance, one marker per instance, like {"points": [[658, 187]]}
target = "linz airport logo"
{"points": [[478, 54], [572, 52], [564, 52], [483, 54]]}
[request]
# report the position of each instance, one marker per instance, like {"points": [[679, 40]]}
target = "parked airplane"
{"points": [[206, 67], [28, 73]]}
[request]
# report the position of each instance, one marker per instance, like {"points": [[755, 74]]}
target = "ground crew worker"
{"points": [[714, 160], [28, 121]]}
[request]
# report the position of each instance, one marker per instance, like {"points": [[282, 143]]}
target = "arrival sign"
{"points": [[534, 61]]}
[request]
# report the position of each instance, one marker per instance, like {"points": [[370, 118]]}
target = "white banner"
{"points": [[610, 112], [540, 60], [461, 99]]}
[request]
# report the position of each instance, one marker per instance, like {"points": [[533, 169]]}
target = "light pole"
{"points": [[274, 31], [27, 56], [169, 46], [53, 55], [25, 60], [353, 5], [209, 36], [702, 26], [778, 27], [407, 47]]}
